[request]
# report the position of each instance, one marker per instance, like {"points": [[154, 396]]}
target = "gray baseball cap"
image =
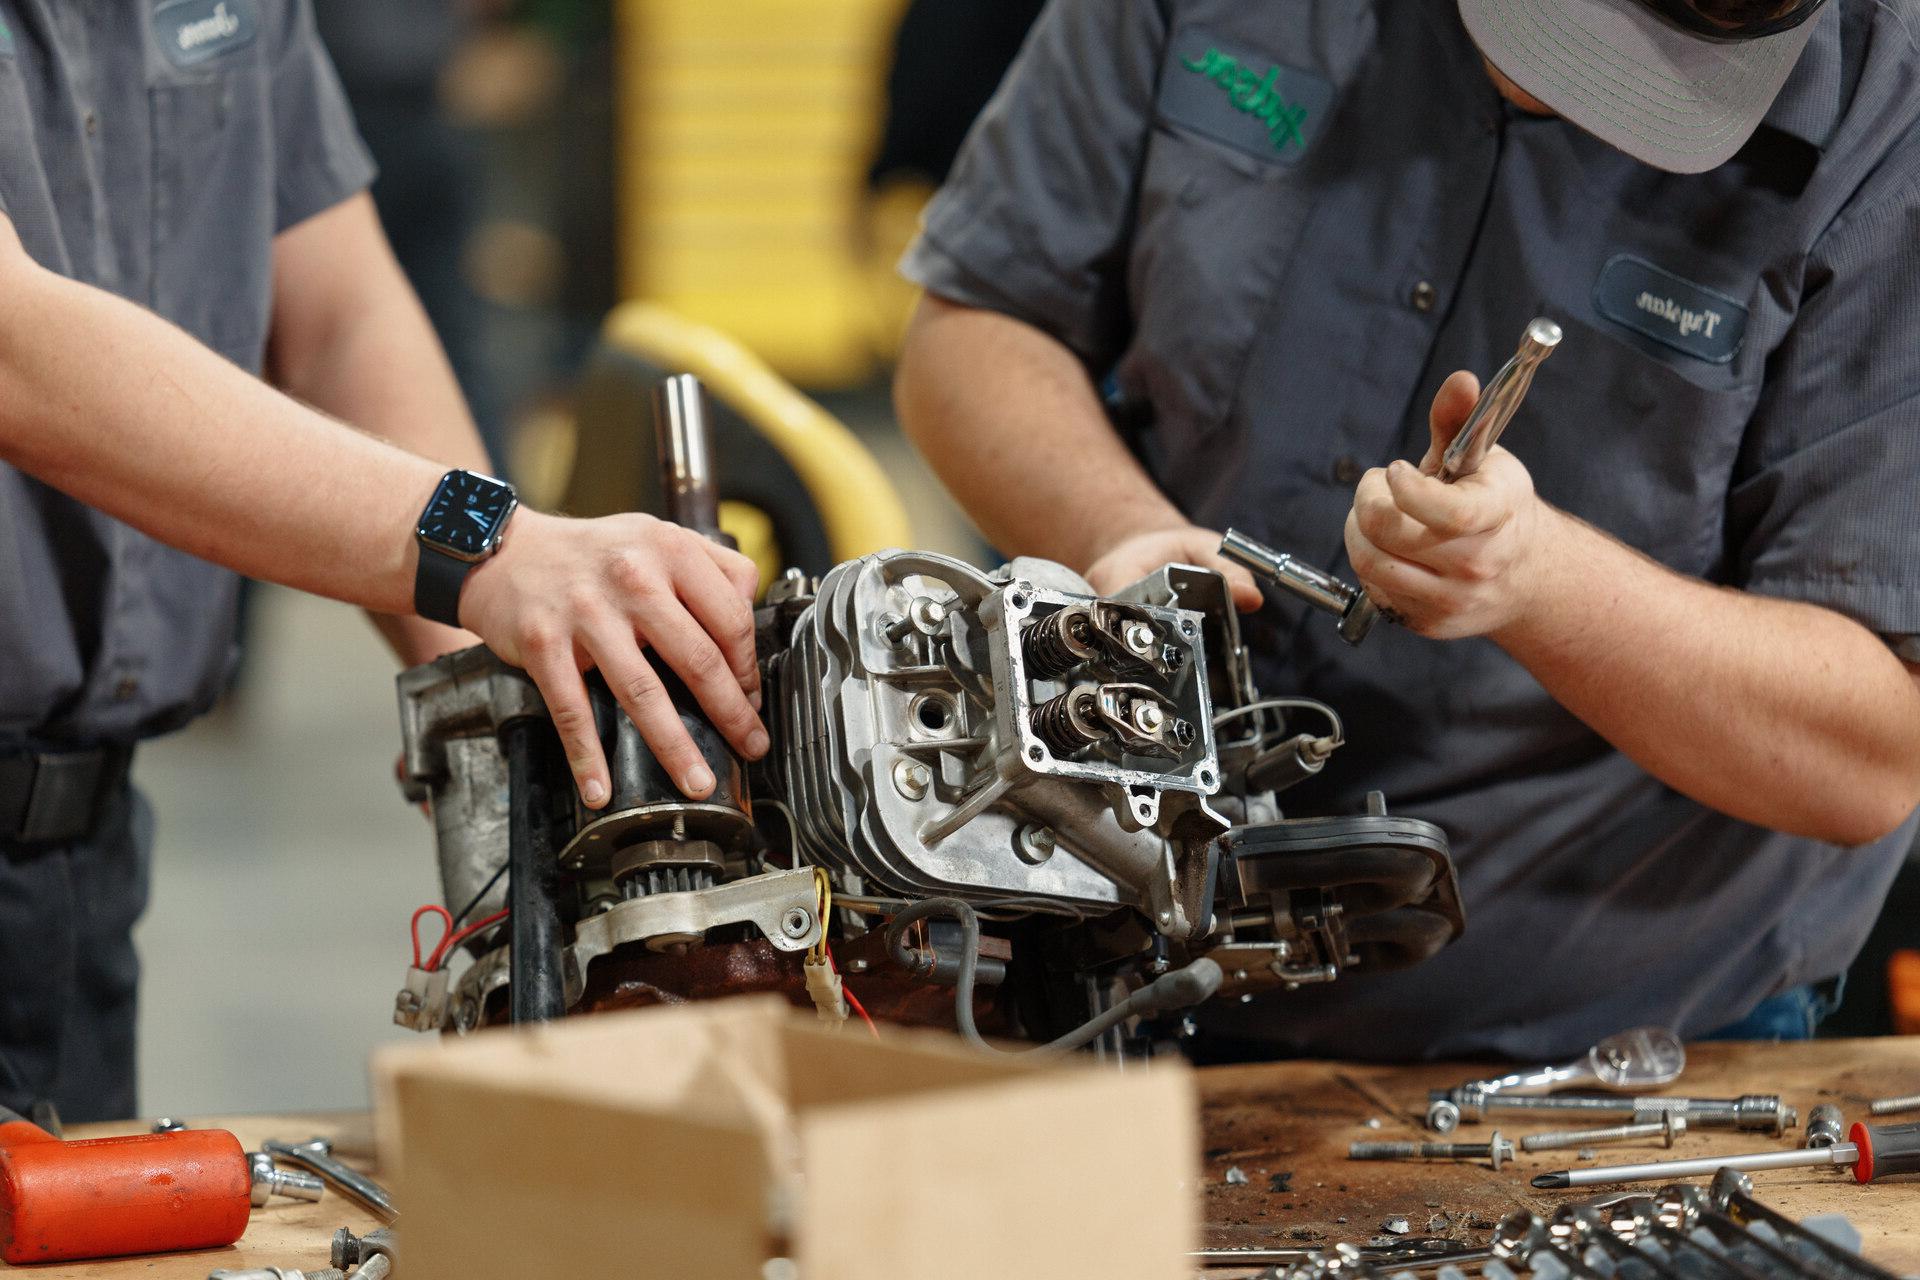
{"points": [[1672, 83]]}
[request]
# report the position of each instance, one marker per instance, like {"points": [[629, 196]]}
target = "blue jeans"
{"points": [[1791, 1015]]}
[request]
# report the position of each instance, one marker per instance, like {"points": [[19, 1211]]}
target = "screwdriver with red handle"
{"points": [[1874, 1152]]}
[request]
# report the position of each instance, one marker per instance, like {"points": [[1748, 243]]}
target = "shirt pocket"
{"points": [[1216, 232], [1638, 443], [212, 202]]}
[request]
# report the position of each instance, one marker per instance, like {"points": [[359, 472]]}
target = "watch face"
{"points": [[466, 513]]}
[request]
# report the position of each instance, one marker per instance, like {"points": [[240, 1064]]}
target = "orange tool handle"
{"points": [[16, 1129], [106, 1197]]}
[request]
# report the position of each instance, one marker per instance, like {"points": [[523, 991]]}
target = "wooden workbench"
{"points": [[1295, 1118], [1299, 1117]]}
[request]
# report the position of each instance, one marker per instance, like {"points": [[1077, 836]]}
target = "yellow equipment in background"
{"points": [[797, 487], [745, 131]]}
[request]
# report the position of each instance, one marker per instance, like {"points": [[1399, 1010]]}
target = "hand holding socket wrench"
{"points": [[1498, 402]]}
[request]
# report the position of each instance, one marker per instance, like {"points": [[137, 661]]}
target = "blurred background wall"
{"points": [[752, 167]]}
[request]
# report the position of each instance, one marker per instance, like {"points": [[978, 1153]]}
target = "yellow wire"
{"points": [[824, 888]]}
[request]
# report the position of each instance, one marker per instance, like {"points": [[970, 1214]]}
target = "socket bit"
{"points": [[1496, 1149], [1825, 1126], [1669, 1127], [269, 1181]]}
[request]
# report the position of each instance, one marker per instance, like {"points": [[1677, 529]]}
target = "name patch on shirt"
{"points": [[192, 32], [1239, 98], [1690, 318]]}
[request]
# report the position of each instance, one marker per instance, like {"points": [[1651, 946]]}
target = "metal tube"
{"points": [[1315, 586], [1842, 1153], [538, 992], [686, 455], [1350, 605]]}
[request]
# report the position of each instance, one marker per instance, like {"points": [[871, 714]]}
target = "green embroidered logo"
{"points": [[1254, 94]]}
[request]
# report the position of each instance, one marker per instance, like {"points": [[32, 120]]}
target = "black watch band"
{"points": [[437, 583]]}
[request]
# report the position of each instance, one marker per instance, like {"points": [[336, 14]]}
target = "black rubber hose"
{"points": [[538, 991], [1181, 989]]}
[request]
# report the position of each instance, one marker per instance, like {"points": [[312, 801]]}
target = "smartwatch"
{"points": [[460, 527]]}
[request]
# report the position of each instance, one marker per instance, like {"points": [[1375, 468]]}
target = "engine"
{"points": [[995, 801]]}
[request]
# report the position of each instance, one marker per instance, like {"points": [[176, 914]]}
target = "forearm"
{"points": [[1011, 423], [106, 402], [350, 338], [1777, 712]]}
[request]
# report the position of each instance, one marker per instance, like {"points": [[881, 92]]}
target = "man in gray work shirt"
{"points": [[1209, 262], [193, 162]]}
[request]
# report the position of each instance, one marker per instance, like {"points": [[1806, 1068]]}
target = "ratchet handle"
{"points": [[1884, 1149], [1498, 402]]}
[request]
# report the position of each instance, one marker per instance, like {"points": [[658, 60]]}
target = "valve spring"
{"points": [[667, 880], [1058, 643], [1055, 723]]}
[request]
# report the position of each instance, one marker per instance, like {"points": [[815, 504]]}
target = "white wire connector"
{"points": [[823, 984], [421, 1005]]}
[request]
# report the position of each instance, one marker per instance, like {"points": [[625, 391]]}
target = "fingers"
{"points": [[1241, 584], [718, 606], [1378, 514], [1397, 585], [743, 573], [684, 644], [551, 663], [1448, 510], [637, 687], [1451, 405]]}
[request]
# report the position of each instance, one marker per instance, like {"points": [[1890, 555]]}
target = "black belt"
{"points": [[56, 797]]}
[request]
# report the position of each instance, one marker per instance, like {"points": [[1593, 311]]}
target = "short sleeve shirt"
{"points": [[1271, 230], [153, 149]]}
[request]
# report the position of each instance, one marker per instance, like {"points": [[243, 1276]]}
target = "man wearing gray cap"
{"points": [[1208, 262]]}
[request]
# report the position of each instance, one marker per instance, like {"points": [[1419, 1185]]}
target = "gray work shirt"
{"points": [[1273, 229], [152, 148]]}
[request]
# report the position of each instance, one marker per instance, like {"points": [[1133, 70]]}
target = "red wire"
{"points": [[452, 940], [413, 927], [860, 1009], [847, 991]]}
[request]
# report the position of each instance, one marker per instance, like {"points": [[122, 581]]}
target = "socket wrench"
{"points": [[1627, 1062], [317, 1154]]}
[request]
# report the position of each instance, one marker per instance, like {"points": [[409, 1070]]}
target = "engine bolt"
{"points": [[912, 779], [797, 923], [1496, 1149], [1667, 1128], [1148, 718], [1035, 845], [928, 614], [1139, 637]]}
